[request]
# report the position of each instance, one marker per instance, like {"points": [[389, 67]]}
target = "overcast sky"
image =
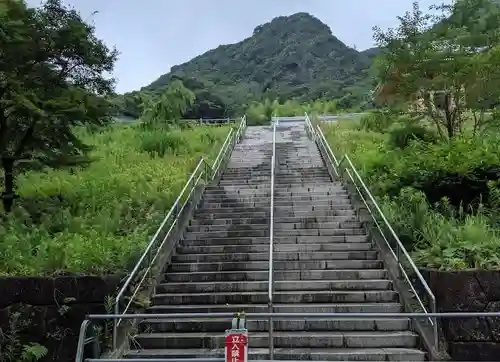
{"points": [[153, 35]]}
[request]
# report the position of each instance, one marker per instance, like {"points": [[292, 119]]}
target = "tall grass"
{"points": [[98, 219], [438, 234]]}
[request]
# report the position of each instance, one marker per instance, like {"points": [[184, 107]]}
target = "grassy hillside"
{"points": [[442, 198], [98, 219]]}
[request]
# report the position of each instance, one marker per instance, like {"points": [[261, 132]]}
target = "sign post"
{"points": [[237, 340]]}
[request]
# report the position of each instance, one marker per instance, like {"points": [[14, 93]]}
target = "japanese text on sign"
{"points": [[236, 347]]}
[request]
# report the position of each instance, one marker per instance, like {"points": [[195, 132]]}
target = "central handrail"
{"points": [[157, 243], [345, 164], [271, 247]]}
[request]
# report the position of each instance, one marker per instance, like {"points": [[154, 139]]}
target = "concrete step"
{"points": [[246, 213], [237, 220], [340, 205], [319, 232], [265, 192], [261, 286], [277, 256], [283, 170], [278, 240], [339, 211], [335, 209], [243, 179], [261, 233], [313, 181], [280, 171], [323, 296], [289, 339], [286, 196], [262, 248], [292, 354], [364, 307], [217, 189], [278, 203], [306, 224], [217, 325], [277, 265], [291, 174], [234, 276]]}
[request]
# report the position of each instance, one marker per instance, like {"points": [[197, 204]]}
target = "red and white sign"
{"points": [[236, 345]]}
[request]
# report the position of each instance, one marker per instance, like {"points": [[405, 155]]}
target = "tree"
{"points": [[129, 104], [170, 106], [51, 81], [442, 64]]}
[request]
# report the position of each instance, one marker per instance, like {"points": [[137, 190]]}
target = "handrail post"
{"points": [[271, 247]]}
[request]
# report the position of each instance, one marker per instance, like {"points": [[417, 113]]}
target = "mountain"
{"points": [[291, 57]]}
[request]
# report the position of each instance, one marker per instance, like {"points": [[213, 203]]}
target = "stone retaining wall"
{"points": [[55, 308], [471, 339]]}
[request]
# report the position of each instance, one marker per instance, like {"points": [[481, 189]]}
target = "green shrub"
{"points": [[442, 198], [443, 241], [459, 169], [376, 121], [400, 137], [162, 141]]}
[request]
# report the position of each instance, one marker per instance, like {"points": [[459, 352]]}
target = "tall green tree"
{"points": [[170, 106], [446, 63], [52, 69]]}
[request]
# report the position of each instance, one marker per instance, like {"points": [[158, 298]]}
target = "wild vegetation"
{"points": [[97, 219], [433, 155], [261, 112], [81, 194]]}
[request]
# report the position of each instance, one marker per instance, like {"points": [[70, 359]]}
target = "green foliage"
{"points": [[400, 137], [98, 219], [291, 57], [177, 142], [442, 199], [169, 107], [445, 241], [261, 112], [448, 62], [205, 105], [376, 121], [12, 348], [52, 80]]}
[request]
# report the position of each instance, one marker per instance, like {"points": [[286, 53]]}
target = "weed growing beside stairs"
{"points": [[97, 219], [442, 198]]}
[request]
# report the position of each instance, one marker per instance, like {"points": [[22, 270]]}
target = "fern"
{"points": [[11, 348], [33, 352]]}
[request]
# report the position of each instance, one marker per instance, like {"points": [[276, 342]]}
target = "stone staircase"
{"points": [[323, 262]]}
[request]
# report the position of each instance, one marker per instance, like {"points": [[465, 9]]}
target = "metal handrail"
{"points": [[293, 315], [256, 316], [350, 169], [309, 128], [271, 247], [222, 150], [230, 141], [210, 173], [83, 340]]}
